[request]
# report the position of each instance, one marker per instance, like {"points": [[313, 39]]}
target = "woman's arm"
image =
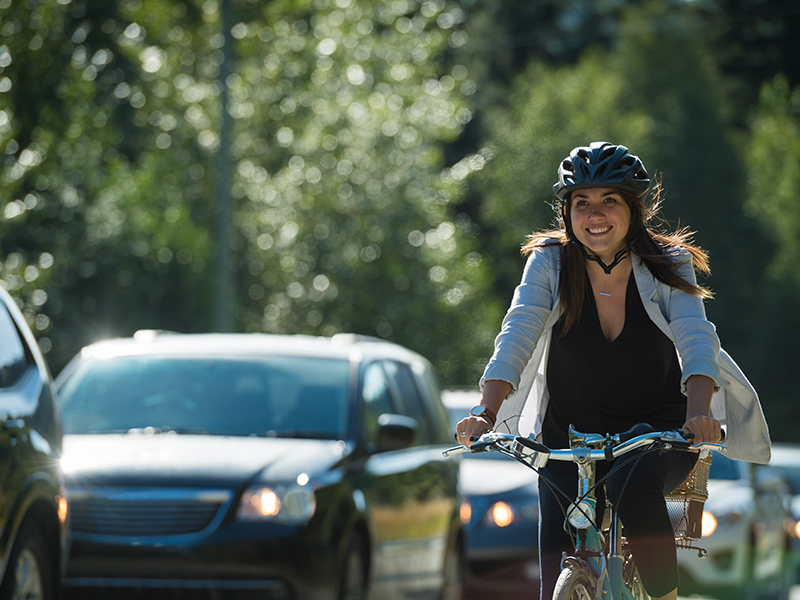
{"points": [[699, 390]]}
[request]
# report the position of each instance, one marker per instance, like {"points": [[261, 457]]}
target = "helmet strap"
{"points": [[618, 258]]}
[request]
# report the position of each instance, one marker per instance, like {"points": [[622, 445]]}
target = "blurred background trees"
{"points": [[382, 161]]}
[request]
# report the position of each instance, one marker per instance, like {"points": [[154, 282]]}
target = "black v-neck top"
{"points": [[602, 387]]}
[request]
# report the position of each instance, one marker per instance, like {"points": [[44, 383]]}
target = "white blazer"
{"points": [[521, 351]]}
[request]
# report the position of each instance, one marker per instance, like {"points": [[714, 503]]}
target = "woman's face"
{"points": [[600, 220]]}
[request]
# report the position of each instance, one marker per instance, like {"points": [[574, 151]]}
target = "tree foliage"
{"points": [[340, 219], [387, 159]]}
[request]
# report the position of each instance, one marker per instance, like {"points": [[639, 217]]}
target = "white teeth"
{"points": [[599, 230]]}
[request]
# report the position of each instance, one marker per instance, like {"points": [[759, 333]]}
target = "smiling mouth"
{"points": [[597, 230]]}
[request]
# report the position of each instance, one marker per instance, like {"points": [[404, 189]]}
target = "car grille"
{"points": [[145, 513]]}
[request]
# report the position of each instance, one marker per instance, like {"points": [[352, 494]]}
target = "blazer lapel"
{"points": [[648, 291]]}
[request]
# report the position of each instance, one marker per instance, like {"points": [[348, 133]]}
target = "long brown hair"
{"points": [[645, 238]]}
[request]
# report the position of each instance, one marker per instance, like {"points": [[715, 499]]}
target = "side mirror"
{"points": [[396, 432]]}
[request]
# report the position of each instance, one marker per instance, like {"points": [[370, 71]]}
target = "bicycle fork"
{"points": [[615, 558]]}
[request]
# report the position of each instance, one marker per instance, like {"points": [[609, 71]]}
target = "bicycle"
{"points": [[601, 567]]}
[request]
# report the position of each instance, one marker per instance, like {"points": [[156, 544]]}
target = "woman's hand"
{"points": [[471, 427], [494, 392], [705, 429]]}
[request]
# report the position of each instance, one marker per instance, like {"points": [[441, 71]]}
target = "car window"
{"points": [[13, 358], [723, 467], [406, 391], [793, 476], [377, 400], [273, 396]]}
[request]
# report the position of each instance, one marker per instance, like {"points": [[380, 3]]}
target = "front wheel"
{"points": [[454, 572], [574, 584], [30, 573], [354, 573]]}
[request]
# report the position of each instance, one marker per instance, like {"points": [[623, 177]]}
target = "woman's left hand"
{"points": [[705, 429]]}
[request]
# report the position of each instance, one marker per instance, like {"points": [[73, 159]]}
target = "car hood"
{"points": [[176, 460], [486, 477], [729, 496]]}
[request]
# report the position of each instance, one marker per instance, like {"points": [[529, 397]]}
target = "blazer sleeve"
{"points": [[695, 336], [525, 319]]}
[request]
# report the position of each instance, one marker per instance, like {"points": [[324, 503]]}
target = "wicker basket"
{"points": [[685, 504]]}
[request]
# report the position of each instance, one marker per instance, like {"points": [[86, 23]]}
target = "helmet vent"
{"points": [[567, 166], [608, 152], [626, 162], [584, 155]]}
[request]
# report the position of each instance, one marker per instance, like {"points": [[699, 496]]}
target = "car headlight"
{"points": [[503, 514], [287, 504], [708, 524]]}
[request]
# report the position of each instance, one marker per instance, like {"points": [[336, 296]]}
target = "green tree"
{"points": [[341, 220], [773, 154]]}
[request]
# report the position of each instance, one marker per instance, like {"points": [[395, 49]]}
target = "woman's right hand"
{"points": [[469, 429], [492, 396]]}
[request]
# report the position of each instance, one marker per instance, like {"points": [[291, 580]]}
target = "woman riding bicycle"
{"points": [[607, 329]]}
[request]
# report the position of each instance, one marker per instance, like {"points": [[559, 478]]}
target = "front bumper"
{"points": [[276, 562]]}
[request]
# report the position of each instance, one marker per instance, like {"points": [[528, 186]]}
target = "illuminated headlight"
{"points": [[287, 504], [503, 514], [708, 524]]}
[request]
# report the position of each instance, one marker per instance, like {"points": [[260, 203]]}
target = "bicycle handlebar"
{"points": [[606, 447]]}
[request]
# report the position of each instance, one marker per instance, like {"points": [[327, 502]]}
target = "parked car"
{"points": [[744, 534], [33, 508], [786, 457], [500, 507], [260, 465]]}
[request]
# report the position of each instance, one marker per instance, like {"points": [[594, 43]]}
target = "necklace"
{"points": [[619, 283]]}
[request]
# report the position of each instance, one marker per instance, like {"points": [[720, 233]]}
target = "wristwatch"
{"points": [[483, 411]]}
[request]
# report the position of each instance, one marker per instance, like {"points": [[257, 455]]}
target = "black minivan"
{"points": [[259, 466], [33, 505]]}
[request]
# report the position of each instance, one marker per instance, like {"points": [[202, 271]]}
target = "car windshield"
{"points": [[793, 475], [271, 396], [723, 467]]}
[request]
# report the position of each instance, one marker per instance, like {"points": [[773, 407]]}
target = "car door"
{"points": [[396, 487], [15, 380], [433, 482]]}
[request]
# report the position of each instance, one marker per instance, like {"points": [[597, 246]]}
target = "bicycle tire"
{"points": [[574, 584]]}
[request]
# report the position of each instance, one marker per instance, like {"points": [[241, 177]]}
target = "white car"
{"points": [[786, 458], [744, 535]]}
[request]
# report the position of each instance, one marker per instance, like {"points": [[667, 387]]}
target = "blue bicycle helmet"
{"points": [[601, 164]]}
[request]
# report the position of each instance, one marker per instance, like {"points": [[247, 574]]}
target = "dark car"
{"points": [[33, 506], [276, 466], [500, 512]]}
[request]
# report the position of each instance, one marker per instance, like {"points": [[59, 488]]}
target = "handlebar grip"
{"points": [[690, 436]]}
